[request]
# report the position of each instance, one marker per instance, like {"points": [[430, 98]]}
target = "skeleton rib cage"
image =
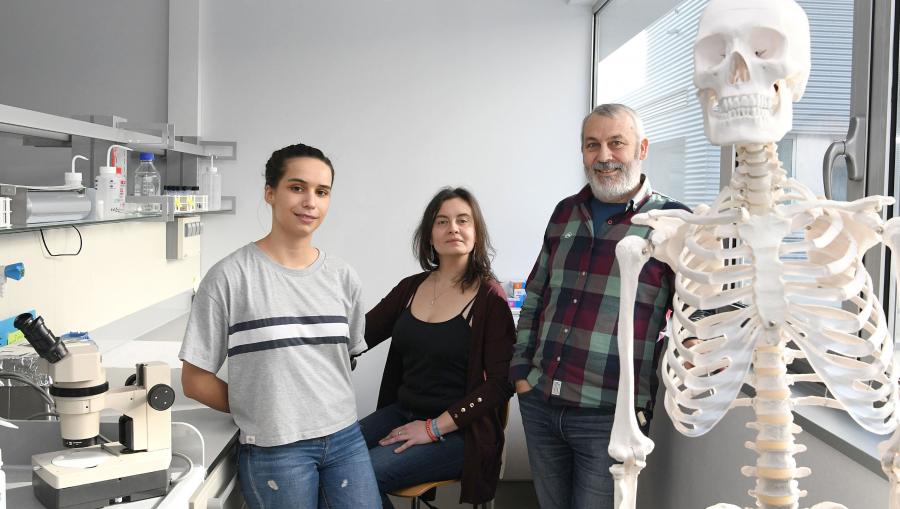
{"points": [[824, 287], [765, 302]]}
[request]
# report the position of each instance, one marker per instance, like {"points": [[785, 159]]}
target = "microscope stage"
{"points": [[64, 469], [81, 458], [98, 476]]}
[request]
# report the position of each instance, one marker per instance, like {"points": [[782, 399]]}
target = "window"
{"points": [[650, 68]]}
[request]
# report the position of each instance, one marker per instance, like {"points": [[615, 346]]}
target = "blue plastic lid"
{"points": [[146, 156]]}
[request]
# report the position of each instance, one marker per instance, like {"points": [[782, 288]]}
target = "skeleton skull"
{"points": [[751, 60]]}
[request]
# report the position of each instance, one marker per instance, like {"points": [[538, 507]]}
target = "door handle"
{"points": [[856, 136]]}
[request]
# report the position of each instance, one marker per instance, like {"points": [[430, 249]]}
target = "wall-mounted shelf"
{"points": [[84, 222], [167, 214], [46, 130], [169, 211], [61, 130]]}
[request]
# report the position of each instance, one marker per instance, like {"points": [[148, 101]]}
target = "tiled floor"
{"points": [[510, 495]]}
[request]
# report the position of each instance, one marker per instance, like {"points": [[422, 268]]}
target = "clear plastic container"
{"points": [[211, 186], [146, 178]]}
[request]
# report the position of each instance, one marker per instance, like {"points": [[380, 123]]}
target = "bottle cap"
{"points": [[73, 178], [146, 156], [107, 170]]}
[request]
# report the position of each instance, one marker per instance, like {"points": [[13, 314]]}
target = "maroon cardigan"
{"points": [[481, 414]]}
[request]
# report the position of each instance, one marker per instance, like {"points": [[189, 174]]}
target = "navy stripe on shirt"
{"points": [[286, 342]]}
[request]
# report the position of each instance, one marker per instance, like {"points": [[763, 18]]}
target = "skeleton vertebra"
{"points": [[781, 269]]}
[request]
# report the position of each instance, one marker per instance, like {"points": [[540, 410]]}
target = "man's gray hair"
{"points": [[611, 110]]}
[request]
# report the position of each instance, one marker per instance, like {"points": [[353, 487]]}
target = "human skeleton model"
{"points": [[777, 300]]}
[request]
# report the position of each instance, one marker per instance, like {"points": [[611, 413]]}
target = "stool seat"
{"points": [[419, 489]]}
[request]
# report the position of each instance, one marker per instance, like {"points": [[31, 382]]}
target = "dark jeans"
{"points": [[437, 461], [330, 472], [567, 450]]}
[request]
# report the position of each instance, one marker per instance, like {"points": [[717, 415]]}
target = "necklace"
{"points": [[435, 294]]}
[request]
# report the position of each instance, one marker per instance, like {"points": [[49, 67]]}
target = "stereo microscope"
{"points": [[92, 473]]}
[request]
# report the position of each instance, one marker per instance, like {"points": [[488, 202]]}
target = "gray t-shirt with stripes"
{"points": [[288, 335]]}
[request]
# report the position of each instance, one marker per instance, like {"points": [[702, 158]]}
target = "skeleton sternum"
{"points": [[763, 234]]}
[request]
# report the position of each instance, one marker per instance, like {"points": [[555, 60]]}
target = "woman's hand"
{"points": [[522, 386], [411, 433]]}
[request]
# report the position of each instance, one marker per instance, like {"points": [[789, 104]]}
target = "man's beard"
{"points": [[618, 186]]}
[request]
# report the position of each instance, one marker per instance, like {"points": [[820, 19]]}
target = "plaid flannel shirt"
{"points": [[566, 342]]}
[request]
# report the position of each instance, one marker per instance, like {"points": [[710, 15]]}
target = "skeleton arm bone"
{"points": [[890, 448], [627, 444], [869, 203], [652, 216]]}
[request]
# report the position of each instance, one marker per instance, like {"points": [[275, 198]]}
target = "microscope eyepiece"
{"points": [[44, 342]]}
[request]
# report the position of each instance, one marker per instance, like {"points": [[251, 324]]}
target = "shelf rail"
{"points": [[31, 123]]}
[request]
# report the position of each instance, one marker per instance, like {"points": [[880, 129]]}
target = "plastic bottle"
{"points": [[211, 185], [119, 160], [109, 201], [2, 484], [146, 178]]}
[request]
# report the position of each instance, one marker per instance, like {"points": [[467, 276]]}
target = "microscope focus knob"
{"points": [[160, 397]]}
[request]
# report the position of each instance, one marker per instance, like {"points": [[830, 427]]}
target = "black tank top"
{"points": [[435, 360]]}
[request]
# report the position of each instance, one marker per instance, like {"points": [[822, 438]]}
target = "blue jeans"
{"points": [[333, 471], [437, 461], [567, 450]]}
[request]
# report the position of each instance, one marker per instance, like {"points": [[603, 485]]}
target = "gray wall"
{"points": [[75, 58]]}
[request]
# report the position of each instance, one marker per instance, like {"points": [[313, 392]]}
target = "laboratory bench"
{"points": [[213, 476]]}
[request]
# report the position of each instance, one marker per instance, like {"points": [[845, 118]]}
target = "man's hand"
{"points": [[688, 343], [411, 433], [522, 386]]}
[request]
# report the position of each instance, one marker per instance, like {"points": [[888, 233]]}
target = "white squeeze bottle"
{"points": [[211, 185], [110, 198]]}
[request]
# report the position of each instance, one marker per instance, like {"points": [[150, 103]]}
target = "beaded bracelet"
{"points": [[436, 431], [428, 430]]}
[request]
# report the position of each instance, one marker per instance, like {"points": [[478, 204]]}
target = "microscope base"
{"points": [[103, 493]]}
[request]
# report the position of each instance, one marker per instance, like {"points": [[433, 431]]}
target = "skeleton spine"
{"points": [[776, 471], [758, 180]]}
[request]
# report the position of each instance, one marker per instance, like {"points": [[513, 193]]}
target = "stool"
{"points": [[414, 492]]}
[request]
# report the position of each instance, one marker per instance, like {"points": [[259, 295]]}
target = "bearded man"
{"points": [[565, 365]]}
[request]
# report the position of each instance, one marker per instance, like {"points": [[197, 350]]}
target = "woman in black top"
{"points": [[442, 402]]}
